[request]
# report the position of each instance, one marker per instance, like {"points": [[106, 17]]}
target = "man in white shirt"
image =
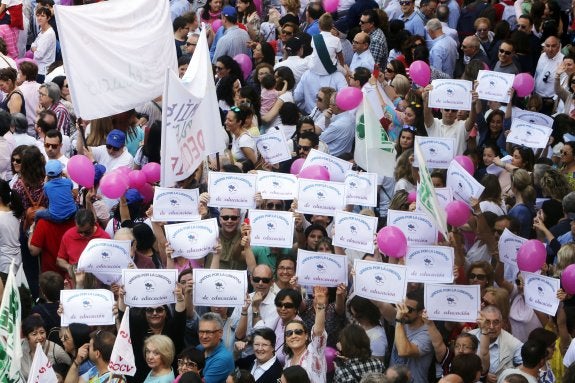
{"points": [[112, 155], [293, 50], [362, 56], [545, 73]]}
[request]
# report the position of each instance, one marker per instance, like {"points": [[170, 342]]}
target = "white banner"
{"points": [[509, 245], [336, 166], [125, 51], [430, 264], [273, 146], [452, 303], [92, 307], [122, 360], [532, 117], [149, 288], [220, 288], [105, 258], [193, 240], [176, 205], [276, 185], [271, 228], [234, 190], [438, 152], [444, 196], [321, 269], [528, 134], [463, 185], [418, 228], [383, 282], [320, 197], [451, 94], [541, 292], [360, 188], [355, 231], [494, 86], [41, 370]]}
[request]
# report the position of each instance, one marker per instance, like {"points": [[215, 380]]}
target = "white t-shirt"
{"points": [[377, 341], [102, 157], [457, 131], [243, 141], [333, 45]]}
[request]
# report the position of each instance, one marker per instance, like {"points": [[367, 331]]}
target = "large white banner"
{"points": [[382, 282], [115, 54], [220, 288], [92, 307], [321, 269]]}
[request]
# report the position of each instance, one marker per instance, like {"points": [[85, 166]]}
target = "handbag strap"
{"points": [[321, 48], [34, 203]]}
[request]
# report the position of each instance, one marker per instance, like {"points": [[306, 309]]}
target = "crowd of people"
{"points": [[303, 53]]}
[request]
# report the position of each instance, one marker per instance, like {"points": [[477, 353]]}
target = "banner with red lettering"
{"points": [[41, 370], [122, 360]]}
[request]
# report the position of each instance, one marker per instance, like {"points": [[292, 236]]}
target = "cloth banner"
{"points": [[41, 370], [10, 323], [122, 360]]}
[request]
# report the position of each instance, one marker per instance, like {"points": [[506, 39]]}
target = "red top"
{"points": [[73, 244]]}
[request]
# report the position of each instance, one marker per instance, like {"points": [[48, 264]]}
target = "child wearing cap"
{"points": [[58, 190]]}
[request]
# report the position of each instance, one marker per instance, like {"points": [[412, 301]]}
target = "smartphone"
{"points": [[376, 71]]}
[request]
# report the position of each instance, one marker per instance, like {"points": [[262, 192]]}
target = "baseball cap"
{"points": [[133, 196], [99, 171], [293, 45], [230, 11], [54, 168], [116, 138]]}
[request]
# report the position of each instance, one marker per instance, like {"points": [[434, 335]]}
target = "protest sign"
{"points": [[273, 146], [273, 185], [360, 188], [494, 86], [176, 205], [529, 134], [450, 94], [271, 228], [438, 151], [320, 197], [105, 258], [541, 292], [418, 228], [429, 264], [149, 287], [321, 269], [336, 166], [193, 240], [452, 303], [463, 185], [234, 190], [382, 282], [93, 307], [219, 288], [355, 231]]}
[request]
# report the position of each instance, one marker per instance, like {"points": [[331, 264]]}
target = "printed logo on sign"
{"points": [[220, 286], [492, 83], [276, 184], [265, 147], [412, 226], [87, 303], [428, 262], [174, 202], [432, 151], [232, 188], [320, 194], [353, 229], [450, 92], [460, 185], [352, 185], [528, 132], [451, 300], [149, 285], [540, 290], [320, 267], [105, 255], [271, 226], [192, 238], [379, 279]]}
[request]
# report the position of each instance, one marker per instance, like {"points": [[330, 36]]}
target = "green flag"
{"points": [[10, 346]]}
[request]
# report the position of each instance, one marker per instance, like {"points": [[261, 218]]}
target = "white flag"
{"points": [[10, 319], [41, 370], [122, 360], [21, 277]]}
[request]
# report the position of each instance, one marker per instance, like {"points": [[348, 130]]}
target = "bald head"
{"points": [[451, 378], [262, 279], [470, 46], [551, 46], [361, 42]]}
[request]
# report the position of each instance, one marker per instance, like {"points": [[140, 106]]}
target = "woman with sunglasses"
{"points": [[75, 337], [393, 68], [308, 351], [16, 164], [480, 273], [243, 145], [265, 346], [287, 302]]}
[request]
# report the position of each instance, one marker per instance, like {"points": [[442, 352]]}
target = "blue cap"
{"points": [[116, 138], [54, 168], [133, 196], [99, 171], [230, 12]]}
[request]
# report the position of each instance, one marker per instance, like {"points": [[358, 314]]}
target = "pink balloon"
{"points": [[216, 24], [457, 213], [523, 84], [152, 171], [147, 192], [568, 279], [531, 256], [29, 54], [124, 170], [466, 163], [296, 166], [412, 197], [113, 185], [136, 179], [81, 170], [420, 72], [348, 98], [330, 5], [392, 242], [245, 63], [315, 172], [330, 355]]}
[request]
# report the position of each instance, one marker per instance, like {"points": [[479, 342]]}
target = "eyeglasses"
{"points": [[260, 279], [229, 217], [113, 148], [506, 53], [219, 68], [298, 331], [155, 310], [271, 205], [208, 332], [190, 44], [404, 2], [53, 146], [494, 323], [187, 363], [411, 309], [546, 77], [17, 160], [304, 148], [389, 70], [288, 33], [479, 277], [64, 337], [361, 22], [285, 305]]}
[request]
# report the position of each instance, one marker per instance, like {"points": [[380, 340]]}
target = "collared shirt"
{"points": [[312, 29], [63, 117], [297, 65], [454, 13], [364, 59], [259, 369], [378, 47], [340, 133], [306, 90], [232, 43], [219, 364], [414, 24], [353, 369], [545, 74], [457, 131], [443, 54]]}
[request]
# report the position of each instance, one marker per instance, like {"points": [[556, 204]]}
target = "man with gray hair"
{"points": [[443, 53], [19, 126], [442, 14], [219, 361], [49, 94], [471, 48]]}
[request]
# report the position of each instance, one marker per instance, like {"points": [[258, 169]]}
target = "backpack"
{"points": [[28, 218]]}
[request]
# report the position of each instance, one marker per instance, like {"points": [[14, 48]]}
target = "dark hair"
{"points": [[104, 342], [373, 17], [85, 217], [288, 351], [286, 257], [528, 157], [184, 60], [233, 66], [294, 295], [315, 10], [289, 113], [144, 235], [295, 374], [5, 121], [285, 74], [44, 11], [11, 199], [312, 227], [254, 98], [153, 144], [80, 334], [416, 295], [45, 125], [466, 366], [268, 81], [190, 377], [398, 67], [267, 333], [314, 138], [16, 152], [364, 310], [8, 73], [53, 133], [206, 10], [354, 342], [194, 355], [421, 52], [59, 80], [532, 352], [472, 338], [362, 75], [543, 335], [492, 191], [269, 55], [29, 69], [51, 283], [179, 23], [242, 16], [32, 171], [31, 323]]}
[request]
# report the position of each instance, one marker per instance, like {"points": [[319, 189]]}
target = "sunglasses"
{"points": [[298, 331], [404, 2], [229, 217], [518, 282], [288, 33], [285, 305], [450, 110], [17, 160], [411, 309], [155, 310], [190, 44], [53, 146], [260, 279], [479, 277], [304, 148], [113, 148], [271, 205], [506, 53]]}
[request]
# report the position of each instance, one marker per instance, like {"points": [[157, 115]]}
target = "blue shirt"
{"points": [[313, 28], [340, 133], [414, 24], [309, 84], [61, 203], [219, 364], [443, 54]]}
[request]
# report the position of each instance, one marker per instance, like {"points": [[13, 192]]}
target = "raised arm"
{"points": [[405, 349], [427, 113], [320, 303], [473, 114], [436, 339]]}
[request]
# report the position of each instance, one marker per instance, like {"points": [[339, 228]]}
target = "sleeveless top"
{"points": [[4, 104]]}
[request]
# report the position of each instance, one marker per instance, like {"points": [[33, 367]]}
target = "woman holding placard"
{"points": [[243, 145], [159, 352]]}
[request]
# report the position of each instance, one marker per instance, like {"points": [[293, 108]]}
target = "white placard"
{"points": [[220, 288], [383, 282], [105, 258], [451, 94], [354, 231], [360, 188], [276, 185], [430, 264], [463, 185], [509, 245], [444, 196], [452, 303], [149, 287], [438, 152], [494, 86], [528, 134], [418, 228], [336, 166], [532, 117], [91, 307], [234, 190], [193, 240], [321, 269], [176, 205], [320, 197], [541, 292], [494, 169], [271, 228], [273, 146]]}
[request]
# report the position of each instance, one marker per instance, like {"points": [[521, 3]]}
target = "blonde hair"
{"points": [[99, 129], [565, 257], [403, 167], [164, 346], [522, 183], [292, 6], [401, 85], [482, 20]]}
